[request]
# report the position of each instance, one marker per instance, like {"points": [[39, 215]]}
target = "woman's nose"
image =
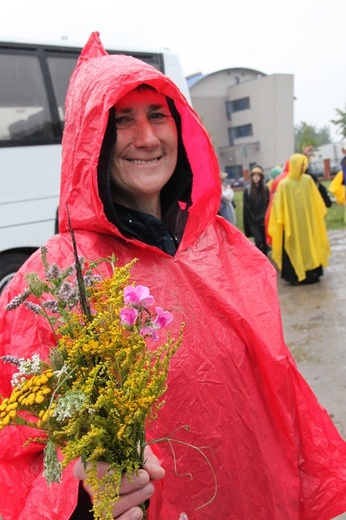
{"points": [[145, 135]]}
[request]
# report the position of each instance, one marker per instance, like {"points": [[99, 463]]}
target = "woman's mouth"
{"points": [[144, 162]]}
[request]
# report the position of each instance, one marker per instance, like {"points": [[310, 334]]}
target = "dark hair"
{"points": [[259, 190]]}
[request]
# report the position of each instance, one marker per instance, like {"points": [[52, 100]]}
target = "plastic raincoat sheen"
{"points": [[273, 449], [298, 212]]}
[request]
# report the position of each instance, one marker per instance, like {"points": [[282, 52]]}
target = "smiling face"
{"points": [[145, 153]]}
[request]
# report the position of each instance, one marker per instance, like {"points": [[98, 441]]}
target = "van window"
{"points": [[24, 108], [60, 69], [33, 83]]}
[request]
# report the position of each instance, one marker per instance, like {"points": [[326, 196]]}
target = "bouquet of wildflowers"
{"points": [[102, 382]]}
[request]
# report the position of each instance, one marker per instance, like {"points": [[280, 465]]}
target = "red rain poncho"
{"points": [[272, 190], [273, 448]]}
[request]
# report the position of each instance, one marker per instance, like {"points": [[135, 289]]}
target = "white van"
{"points": [[33, 81]]}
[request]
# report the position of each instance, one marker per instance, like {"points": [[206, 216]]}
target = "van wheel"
{"points": [[9, 265]]}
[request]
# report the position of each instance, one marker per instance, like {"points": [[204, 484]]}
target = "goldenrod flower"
{"points": [[101, 383]]}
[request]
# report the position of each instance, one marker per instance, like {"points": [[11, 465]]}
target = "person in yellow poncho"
{"points": [[337, 186], [300, 245]]}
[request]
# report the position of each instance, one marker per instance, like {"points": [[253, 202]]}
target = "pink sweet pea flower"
{"points": [[128, 316], [138, 296], [149, 331], [162, 319]]}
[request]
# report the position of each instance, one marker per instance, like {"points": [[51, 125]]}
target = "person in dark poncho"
{"points": [[256, 200], [309, 151]]}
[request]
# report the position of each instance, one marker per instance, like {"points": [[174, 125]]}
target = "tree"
{"points": [[340, 121], [306, 135]]}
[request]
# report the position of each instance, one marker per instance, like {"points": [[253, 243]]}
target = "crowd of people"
{"points": [[140, 179], [285, 216]]}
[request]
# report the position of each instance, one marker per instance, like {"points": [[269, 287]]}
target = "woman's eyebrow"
{"points": [[157, 106], [129, 110], [125, 110]]}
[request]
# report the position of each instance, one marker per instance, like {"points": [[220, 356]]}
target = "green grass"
{"points": [[336, 216], [334, 219], [238, 199]]}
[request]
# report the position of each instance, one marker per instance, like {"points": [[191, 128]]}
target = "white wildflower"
{"points": [[64, 370], [52, 467], [26, 367], [68, 405]]}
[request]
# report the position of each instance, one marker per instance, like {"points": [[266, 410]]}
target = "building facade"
{"points": [[249, 116]]}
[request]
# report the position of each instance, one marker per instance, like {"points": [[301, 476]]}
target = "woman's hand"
{"points": [[133, 492]]}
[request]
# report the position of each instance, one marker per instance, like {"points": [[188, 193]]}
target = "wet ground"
{"points": [[314, 321]]}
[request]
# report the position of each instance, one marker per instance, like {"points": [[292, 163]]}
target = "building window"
{"points": [[239, 131], [234, 172], [236, 105]]}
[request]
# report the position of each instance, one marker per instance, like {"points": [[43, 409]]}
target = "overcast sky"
{"points": [[306, 38]]}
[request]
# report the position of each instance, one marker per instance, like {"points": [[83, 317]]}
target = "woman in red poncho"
{"points": [[274, 450], [272, 190]]}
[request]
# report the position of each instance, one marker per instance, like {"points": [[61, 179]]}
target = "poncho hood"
{"points": [[97, 83], [297, 166]]}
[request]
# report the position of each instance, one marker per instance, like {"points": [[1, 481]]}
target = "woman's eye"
{"points": [[123, 122], [158, 117]]}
